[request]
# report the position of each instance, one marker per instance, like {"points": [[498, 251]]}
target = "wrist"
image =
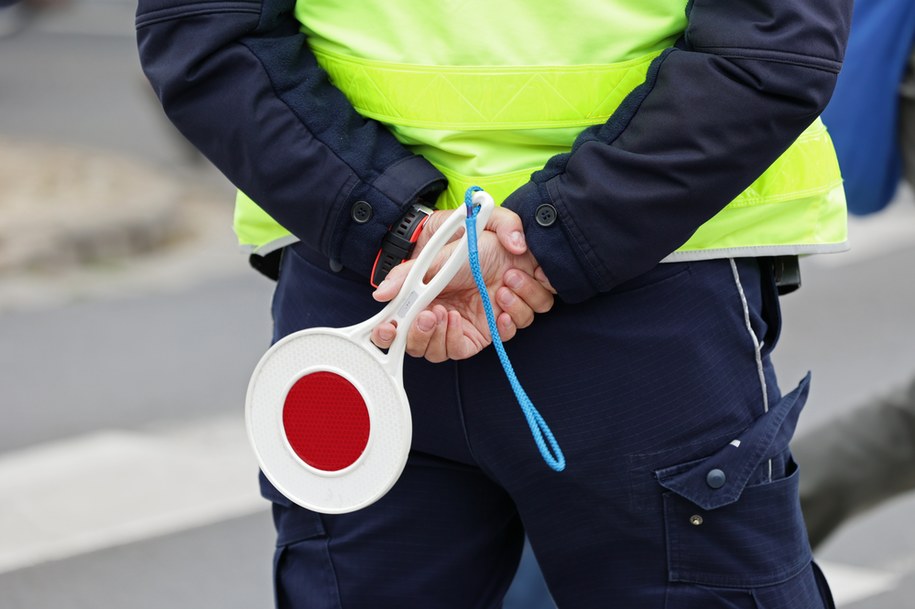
{"points": [[399, 241]]}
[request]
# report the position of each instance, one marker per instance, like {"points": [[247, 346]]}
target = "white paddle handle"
{"points": [[416, 294]]}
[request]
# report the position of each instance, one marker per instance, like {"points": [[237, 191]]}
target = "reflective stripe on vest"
{"points": [[465, 120]]}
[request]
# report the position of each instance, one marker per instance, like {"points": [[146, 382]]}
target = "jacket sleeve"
{"points": [[744, 80], [239, 81]]}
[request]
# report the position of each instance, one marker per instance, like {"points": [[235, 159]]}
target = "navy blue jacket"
{"points": [[745, 79]]}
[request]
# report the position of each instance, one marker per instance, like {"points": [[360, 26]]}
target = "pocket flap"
{"points": [[719, 480]]}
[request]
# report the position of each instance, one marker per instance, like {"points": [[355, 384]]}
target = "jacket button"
{"points": [[716, 478], [545, 215], [361, 212]]}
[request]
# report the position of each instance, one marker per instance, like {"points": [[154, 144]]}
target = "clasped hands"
{"points": [[454, 325]]}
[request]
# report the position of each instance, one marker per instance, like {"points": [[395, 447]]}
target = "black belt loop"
{"points": [[787, 274]]}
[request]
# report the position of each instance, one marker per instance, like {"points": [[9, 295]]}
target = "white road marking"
{"points": [[851, 584], [115, 487]]}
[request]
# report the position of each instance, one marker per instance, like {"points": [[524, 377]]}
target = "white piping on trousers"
{"points": [[757, 347]]}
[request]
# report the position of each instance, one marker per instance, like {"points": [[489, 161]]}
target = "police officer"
{"points": [[665, 164]]}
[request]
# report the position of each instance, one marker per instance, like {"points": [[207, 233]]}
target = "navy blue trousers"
{"points": [[679, 491]]}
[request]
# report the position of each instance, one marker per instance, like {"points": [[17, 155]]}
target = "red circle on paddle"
{"points": [[326, 421]]}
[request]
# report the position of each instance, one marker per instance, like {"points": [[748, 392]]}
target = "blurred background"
{"points": [[130, 323]]}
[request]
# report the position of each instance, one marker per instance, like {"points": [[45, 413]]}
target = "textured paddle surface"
{"points": [[326, 421]]}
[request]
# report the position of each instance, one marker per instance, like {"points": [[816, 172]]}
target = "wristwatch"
{"points": [[399, 241]]}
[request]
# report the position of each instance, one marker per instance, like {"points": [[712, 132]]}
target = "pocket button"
{"points": [[716, 478]]}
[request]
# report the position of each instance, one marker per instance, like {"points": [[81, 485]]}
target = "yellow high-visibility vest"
{"points": [[487, 107]]}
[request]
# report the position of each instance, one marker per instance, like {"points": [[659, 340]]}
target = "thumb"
{"points": [[509, 230]]}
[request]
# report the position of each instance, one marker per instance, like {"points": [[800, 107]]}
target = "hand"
{"points": [[454, 326]]}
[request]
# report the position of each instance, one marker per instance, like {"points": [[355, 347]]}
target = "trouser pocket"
{"points": [[734, 530], [303, 573], [758, 540], [750, 554]]}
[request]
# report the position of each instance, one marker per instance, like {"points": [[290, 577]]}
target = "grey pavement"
{"points": [[120, 369], [96, 345], [225, 565]]}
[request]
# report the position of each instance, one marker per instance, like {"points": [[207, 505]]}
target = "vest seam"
{"points": [[626, 64], [787, 197], [334, 62], [482, 126], [590, 121]]}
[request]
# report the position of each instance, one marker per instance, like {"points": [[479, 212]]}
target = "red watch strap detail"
{"points": [[398, 244]]}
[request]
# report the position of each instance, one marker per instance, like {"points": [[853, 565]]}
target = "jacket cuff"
{"points": [[369, 210], [546, 230]]}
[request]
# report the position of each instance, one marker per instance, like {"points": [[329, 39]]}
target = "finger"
{"points": [[383, 335], [506, 326], [514, 307], [531, 291], [509, 229], [458, 346], [437, 350], [420, 333]]}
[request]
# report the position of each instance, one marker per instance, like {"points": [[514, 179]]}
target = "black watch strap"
{"points": [[399, 242]]}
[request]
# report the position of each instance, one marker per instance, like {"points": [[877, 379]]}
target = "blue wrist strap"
{"points": [[546, 442]]}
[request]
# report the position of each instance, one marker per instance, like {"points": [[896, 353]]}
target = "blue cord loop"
{"points": [[543, 436]]}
